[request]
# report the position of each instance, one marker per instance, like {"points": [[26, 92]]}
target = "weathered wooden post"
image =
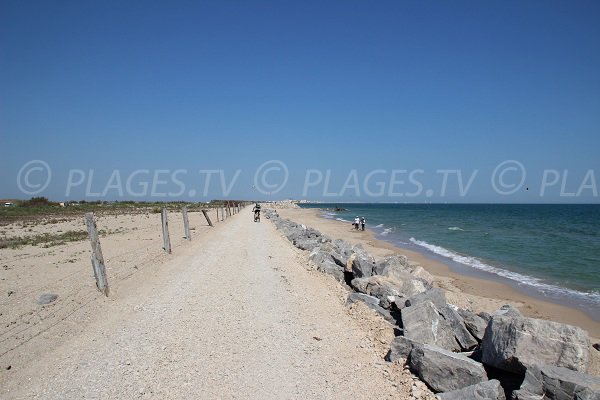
{"points": [[96, 258], [207, 217], [217, 210], [186, 223], [165, 230], [222, 213]]}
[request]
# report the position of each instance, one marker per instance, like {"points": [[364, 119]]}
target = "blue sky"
{"points": [[348, 87]]}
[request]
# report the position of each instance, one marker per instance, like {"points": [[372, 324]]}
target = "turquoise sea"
{"points": [[548, 251]]}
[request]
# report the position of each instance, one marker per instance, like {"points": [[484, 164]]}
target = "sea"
{"points": [[548, 251]]}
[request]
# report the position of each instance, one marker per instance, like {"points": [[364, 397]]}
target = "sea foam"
{"points": [[521, 279]]}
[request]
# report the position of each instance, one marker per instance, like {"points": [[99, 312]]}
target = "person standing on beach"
{"points": [[356, 222], [362, 223]]}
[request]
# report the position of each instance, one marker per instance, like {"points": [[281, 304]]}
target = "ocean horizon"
{"points": [[548, 251]]}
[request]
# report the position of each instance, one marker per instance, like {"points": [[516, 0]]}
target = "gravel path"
{"points": [[235, 315]]}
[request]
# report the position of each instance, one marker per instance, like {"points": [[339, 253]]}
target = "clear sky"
{"points": [[359, 101]]}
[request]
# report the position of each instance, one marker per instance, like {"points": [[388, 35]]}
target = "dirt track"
{"points": [[236, 313]]}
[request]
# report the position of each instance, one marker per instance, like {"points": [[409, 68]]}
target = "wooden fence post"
{"points": [[217, 210], [165, 230], [186, 223], [207, 217], [97, 258], [222, 213]]}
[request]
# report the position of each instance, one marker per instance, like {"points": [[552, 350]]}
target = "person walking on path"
{"points": [[362, 223], [356, 222]]}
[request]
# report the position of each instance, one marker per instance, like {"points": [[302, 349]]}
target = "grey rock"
{"points": [[387, 289], [413, 287], [433, 295], [419, 272], [47, 298], [369, 300], [423, 323], [485, 316], [331, 268], [489, 390], [400, 347], [361, 263], [551, 382], [390, 263], [562, 383], [398, 267], [513, 344], [532, 386], [325, 263], [461, 333], [372, 303], [343, 252], [507, 311], [384, 288], [474, 323], [444, 371]]}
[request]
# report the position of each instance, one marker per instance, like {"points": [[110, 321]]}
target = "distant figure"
{"points": [[362, 223], [356, 222], [256, 211]]}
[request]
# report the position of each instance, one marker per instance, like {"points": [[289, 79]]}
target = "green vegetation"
{"points": [[41, 207], [44, 239], [52, 239]]}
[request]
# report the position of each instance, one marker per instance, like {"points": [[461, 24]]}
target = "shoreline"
{"points": [[475, 292]]}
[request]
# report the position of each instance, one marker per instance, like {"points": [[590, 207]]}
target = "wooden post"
{"points": [[97, 258], [222, 213], [207, 217], [186, 223], [217, 210], [165, 230]]}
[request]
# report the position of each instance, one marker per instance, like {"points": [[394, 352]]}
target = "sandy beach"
{"points": [[464, 291]]}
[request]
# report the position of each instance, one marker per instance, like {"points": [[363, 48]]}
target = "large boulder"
{"points": [[419, 272], [400, 348], [384, 288], [334, 251], [397, 266], [508, 311], [444, 371], [387, 289], [513, 344], [360, 263], [423, 323], [342, 253], [489, 390], [461, 333], [325, 263], [396, 262], [551, 382], [474, 323], [372, 303], [306, 238], [433, 295]]}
